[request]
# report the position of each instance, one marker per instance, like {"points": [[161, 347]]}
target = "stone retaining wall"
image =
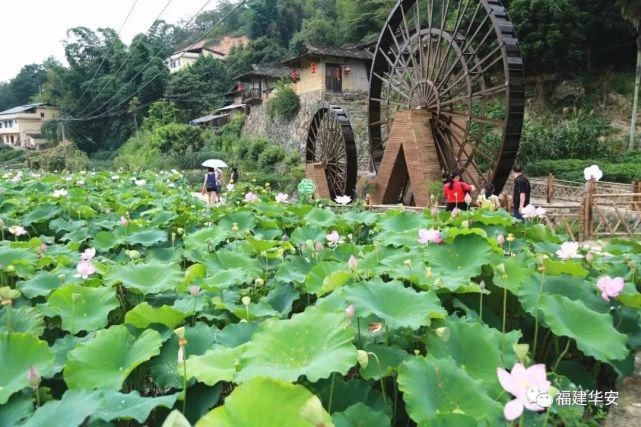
{"points": [[293, 134]]}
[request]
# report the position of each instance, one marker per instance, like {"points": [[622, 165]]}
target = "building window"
{"points": [[42, 115], [333, 78]]}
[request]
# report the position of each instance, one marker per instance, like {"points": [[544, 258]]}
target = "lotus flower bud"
{"points": [[180, 231], [194, 291], [501, 268], [350, 311], [482, 284], [133, 254], [259, 282], [407, 263], [352, 263], [468, 199], [318, 246], [500, 239], [455, 213], [465, 224], [246, 301], [589, 257], [10, 269], [363, 358], [632, 266], [234, 227], [34, 377], [521, 351], [181, 354], [180, 332], [435, 211], [443, 333]]}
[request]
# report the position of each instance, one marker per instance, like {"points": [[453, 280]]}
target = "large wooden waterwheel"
{"points": [[459, 62], [331, 153]]}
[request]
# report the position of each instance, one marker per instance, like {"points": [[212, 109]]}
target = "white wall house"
{"points": [[190, 54], [20, 127]]}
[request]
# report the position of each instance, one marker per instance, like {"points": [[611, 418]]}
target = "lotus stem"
{"points": [[481, 306], [358, 327], [331, 394], [504, 322], [380, 372], [536, 316], [37, 398], [565, 350], [185, 382]]}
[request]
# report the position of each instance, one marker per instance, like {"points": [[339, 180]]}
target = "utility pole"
{"points": [[133, 108]]}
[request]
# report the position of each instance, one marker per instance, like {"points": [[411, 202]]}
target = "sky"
{"points": [[34, 30]]}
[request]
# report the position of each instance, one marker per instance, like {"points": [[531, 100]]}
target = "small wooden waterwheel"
{"points": [[453, 67], [331, 153]]}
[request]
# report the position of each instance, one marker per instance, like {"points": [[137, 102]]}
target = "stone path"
{"points": [[628, 412]]}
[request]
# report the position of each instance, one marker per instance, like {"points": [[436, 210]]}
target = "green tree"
{"points": [[551, 33], [161, 113], [178, 139], [199, 89]]}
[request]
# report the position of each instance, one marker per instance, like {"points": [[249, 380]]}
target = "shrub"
{"points": [[579, 136], [271, 155], [177, 139], [625, 171], [60, 158], [285, 104]]}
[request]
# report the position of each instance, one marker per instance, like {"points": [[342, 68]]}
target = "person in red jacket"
{"points": [[455, 190]]}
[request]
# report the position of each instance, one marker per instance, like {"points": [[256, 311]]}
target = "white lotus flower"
{"points": [[593, 172], [343, 200], [140, 182], [17, 230], [569, 250], [60, 193], [282, 198], [230, 187], [115, 177]]}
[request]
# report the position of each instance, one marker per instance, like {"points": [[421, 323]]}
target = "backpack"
{"points": [[234, 176], [211, 180]]}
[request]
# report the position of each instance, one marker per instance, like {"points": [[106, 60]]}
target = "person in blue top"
{"points": [[210, 186]]}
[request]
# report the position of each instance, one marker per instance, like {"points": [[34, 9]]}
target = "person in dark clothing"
{"points": [[455, 190], [210, 186], [234, 176], [522, 189]]}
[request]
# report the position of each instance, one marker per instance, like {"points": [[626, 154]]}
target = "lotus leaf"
{"points": [[81, 308], [312, 343], [121, 406], [120, 353], [143, 315], [18, 353], [433, 387], [397, 305], [147, 278], [360, 415], [71, 411], [288, 405], [594, 333]]}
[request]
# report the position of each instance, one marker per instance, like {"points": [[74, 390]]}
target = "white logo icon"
{"points": [[539, 396]]}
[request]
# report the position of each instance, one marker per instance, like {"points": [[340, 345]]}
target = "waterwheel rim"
{"points": [[460, 61], [330, 142]]}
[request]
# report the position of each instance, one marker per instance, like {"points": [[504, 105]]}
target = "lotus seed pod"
{"points": [[246, 301], [443, 333]]}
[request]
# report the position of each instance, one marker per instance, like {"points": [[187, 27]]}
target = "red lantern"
{"points": [[313, 66], [295, 75], [239, 87]]}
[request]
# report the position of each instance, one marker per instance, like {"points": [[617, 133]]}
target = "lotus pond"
{"points": [[125, 302]]}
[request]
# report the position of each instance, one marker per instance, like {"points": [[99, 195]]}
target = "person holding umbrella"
{"points": [[213, 180]]}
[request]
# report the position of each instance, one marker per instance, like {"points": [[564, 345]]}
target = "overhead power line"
{"points": [[113, 43], [155, 56], [122, 65], [220, 21]]}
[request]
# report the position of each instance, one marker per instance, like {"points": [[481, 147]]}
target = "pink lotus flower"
{"points": [[352, 263], [124, 221], [350, 310], [333, 238], [467, 199], [568, 250], [529, 211], [609, 287], [527, 386], [375, 327], [540, 212], [429, 236], [88, 254], [17, 230], [455, 212], [85, 269], [435, 211], [250, 197], [318, 247], [500, 239], [194, 291], [282, 198], [34, 378]]}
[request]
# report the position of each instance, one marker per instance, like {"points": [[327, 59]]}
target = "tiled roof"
{"points": [[271, 71], [20, 109], [339, 52]]}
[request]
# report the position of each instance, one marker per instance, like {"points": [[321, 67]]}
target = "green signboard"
{"points": [[307, 187]]}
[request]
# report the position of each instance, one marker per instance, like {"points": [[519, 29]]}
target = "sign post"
{"points": [[306, 188]]}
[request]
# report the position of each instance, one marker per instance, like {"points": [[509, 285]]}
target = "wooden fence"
{"points": [[592, 210]]}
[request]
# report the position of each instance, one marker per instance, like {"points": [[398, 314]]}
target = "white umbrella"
{"points": [[215, 163]]}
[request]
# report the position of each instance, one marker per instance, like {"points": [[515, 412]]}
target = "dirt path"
{"points": [[628, 412]]}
